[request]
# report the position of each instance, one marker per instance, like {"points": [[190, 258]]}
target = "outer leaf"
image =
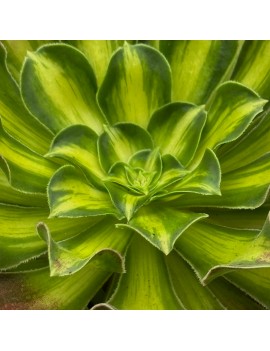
{"points": [[9, 195], [102, 244], [146, 284], [244, 188], [137, 82], [253, 66], [255, 282], [120, 142], [231, 297], [98, 53], [38, 291], [176, 129], [17, 50], [161, 226], [234, 107], [214, 250], [19, 163], [18, 239], [16, 119], [198, 66], [78, 145], [191, 293], [242, 219], [70, 195], [59, 87], [256, 138], [205, 179]]}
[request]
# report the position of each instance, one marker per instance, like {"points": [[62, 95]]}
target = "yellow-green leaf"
{"points": [[146, 284], [78, 145], [101, 244], [161, 226], [137, 82], [16, 119], [71, 195], [198, 66], [59, 87], [120, 142], [176, 128]]}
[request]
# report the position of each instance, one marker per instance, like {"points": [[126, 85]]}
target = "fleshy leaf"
{"points": [[205, 179], [126, 200], [256, 138], [243, 188], [98, 53], [192, 294], [16, 119], [120, 142], [161, 226], [70, 195], [16, 52], [19, 163], [255, 282], [78, 145], [253, 66], [18, 239], [198, 66], [234, 107], [101, 244], [137, 82], [36, 290], [172, 171], [146, 285], [231, 297], [59, 87], [214, 250], [242, 219], [12, 196], [176, 128]]}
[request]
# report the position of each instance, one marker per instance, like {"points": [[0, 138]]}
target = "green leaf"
{"points": [[161, 226], [234, 107], [137, 82], [214, 250], [16, 119], [148, 163], [70, 195], [198, 66], [120, 142], [146, 285], [126, 200], [205, 179], [16, 52], [98, 53], [253, 66], [255, 282], [18, 238], [59, 87], [256, 138], [243, 188], [19, 163], [78, 145], [101, 244], [189, 290], [38, 291], [11, 196], [242, 219], [172, 171], [231, 297], [176, 128]]}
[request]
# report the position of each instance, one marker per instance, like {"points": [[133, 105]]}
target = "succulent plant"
{"points": [[134, 175]]}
